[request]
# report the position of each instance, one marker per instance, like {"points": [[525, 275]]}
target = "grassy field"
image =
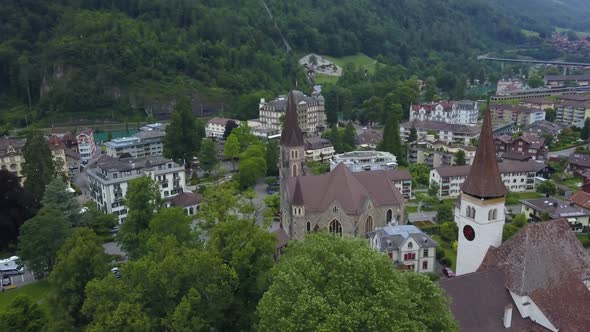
{"points": [[581, 34], [529, 33], [325, 79], [37, 291], [584, 239], [360, 60]]}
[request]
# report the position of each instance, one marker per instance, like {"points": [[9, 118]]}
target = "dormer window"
{"points": [[410, 245]]}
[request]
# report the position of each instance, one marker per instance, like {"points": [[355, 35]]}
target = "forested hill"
{"points": [[544, 15], [90, 57]]}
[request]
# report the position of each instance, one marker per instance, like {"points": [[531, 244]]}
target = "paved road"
{"points": [[562, 153], [23, 279]]}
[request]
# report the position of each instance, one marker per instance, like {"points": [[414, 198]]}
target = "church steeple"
{"points": [[291, 135], [484, 180]]}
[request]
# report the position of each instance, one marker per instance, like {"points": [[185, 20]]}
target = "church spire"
{"points": [[291, 135], [484, 180], [297, 194]]}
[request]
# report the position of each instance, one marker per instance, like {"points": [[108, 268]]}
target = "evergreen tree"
{"points": [[208, 156], [229, 127], [348, 137], [413, 137], [391, 139], [58, 197], [585, 134], [183, 135], [460, 158], [16, 206], [38, 168], [272, 157]]}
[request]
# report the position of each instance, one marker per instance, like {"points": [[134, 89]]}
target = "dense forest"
{"points": [[102, 58], [542, 15]]}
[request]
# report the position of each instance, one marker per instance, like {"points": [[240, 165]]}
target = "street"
{"points": [[22, 279]]}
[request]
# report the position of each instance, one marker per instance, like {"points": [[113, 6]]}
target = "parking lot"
{"points": [[22, 279]]}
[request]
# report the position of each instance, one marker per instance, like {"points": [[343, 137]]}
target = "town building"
{"points": [[516, 175], [572, 113], [73, 162], [543, 128], [318, 149], [581, 198], [86, 145], [506, 87], [464, 112], [528, 145], [58, 153], [521, 115], [565, 80], [368, 138], [540, 103], [109, 179], [446, 132], [311, 113], [408, 248], [535, 281], [342, 202], [190, 202], [358, 161], [578, 163], [11, 155], [141, 144], [155, 126], [216, 127], [540, 209], [258, 130], [436, 154]]}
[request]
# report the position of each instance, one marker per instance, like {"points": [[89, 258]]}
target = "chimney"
{"points": [[508, 315]]}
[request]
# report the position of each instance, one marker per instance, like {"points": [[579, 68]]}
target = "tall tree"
{"points": [[183, 135], [208, 156], [334, 284], [173, 222], [40, 239], [335, 138], [38, 168], [22, 314], [460, 158], [392, 141], [79, 260], [430, 88], [93, 218], [252, 165], [231, 149], [413, 137], [229, 127], [16, 206], [245, 136], [272, 157], [143, 200], [348, 137], [585, 134], [58, 197]]}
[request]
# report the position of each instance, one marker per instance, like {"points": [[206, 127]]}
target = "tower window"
{"points": [[294, 172], [368, 225], [335, 209], [335, 227]]}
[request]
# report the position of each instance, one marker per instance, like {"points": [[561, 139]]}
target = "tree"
{"points": [[519, 220], [93, 218], [449, 230], [272, 157], [22, 314], [38, 168], [229, 127], [392, 140], [40, 239], [460, 158], [252, 165], [433, 189], [430, 89], [245, 136], [334, 136], [420, 173], [334, 284], [16, 206], [444, 213], [585, 134], [550, 115], [231, 149], [249, 250], [219, 205], [79, 260], [508, 231], [143, 201], [547, 187], [536, 81], [58, 197], [208, 156], [109, 136], [183, 134], [348, 137], [173, 222], [413, 137]]}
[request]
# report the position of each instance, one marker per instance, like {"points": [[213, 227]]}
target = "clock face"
{"points": [[469, 233]]}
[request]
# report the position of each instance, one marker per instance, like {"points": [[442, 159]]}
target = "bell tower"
{"points": [[480, 215], [292, 159]]}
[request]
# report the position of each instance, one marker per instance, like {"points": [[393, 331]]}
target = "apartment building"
{"points": [[141, 144], [446, 132], [572, 113], [109, 179], [311, 113], [521, 115], [455, 112], [527, 145], [358, 161], [216, 127], [86, 144], [318, 149], [436, 154], [517, 177]]}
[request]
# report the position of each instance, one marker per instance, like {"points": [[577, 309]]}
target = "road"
{"points": [[23, 279], [562, 153]]}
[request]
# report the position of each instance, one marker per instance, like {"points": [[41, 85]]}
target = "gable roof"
{"points": [[581, 198], [291, 135], [399, 235], [350, 190], [186, 199]]}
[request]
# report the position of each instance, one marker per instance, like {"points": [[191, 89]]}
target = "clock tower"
{"points": [[480, 214]]}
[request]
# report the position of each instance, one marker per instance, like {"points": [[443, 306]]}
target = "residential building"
{"points": [[521, 115], [216, 127], [446, 132], [342, 202], [455, 112], [436, 154], [504, 128], [11, 155], [358, 161], [155, 126], [190, 202], [578, 163], [540, 209], [310, 112], [535, 281], [86, 145], [538, 103], [73, 162], [368, 138], [141, 144], [408, 248], [259, 130], [542, 128], [517, 177], [572, 113], [318, 149], [402, 181], [527, 145], [564, 80], [506, 87], [109, 178], [58, 154]]}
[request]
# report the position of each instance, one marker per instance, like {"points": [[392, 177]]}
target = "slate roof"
{"points": [[398, 174], [350, 190], [397, 236], [515, 156], [555, 207], [220, 121], [582, 160], [291, 135], [150, 134], [543, 126], [537, 101], [316, 142], [186, 199], [126, 164], [16, 144]]}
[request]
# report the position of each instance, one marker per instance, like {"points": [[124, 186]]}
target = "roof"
{"points": [[143, 134], [369, 136], [186, 199], [282, 238], [484, 178], [72, 154], [126, 164], [546, 262], [580, 159], [291, 135], [16, 144], [350, 190], [544, 126], [281, 102], [555, 207], [85, 131], [398, 175], [447, 106], [316, 142], [582, 104], [514, 108], [537, 101], [422, 216], [433, 125], [581, 198], [221, 121], [506, 166], [55, 143], [397, 236], [574, 97], [567, 77], [483, 312], [515, 156]]}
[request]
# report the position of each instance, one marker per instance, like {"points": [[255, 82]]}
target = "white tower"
{"points": [[480, 216]]}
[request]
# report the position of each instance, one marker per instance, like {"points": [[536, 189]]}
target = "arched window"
{"points": [[468, 212], [308, 226], [335, 227], [335, 209], [495, 214], [473, 212], [294, 173], [368, 225], [410, 245], [491, 215], [296, 154], [389, 216]]}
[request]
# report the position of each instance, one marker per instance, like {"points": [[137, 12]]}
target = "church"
{"points": [[538, 280], [340, 202]]}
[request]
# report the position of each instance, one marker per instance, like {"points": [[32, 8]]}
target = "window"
{"points": [[410, 256], [425, 253], [470, 213], [368, 225], [495, 214], [335, 209], [425, 265], [294, 171], [335, 227], [410, 245], [308, 226], [389, 216]]}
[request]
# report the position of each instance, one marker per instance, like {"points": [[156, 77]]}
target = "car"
{"points": [[6, 281], [448, 272]]}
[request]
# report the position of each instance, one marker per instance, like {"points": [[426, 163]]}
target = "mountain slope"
{"points": [[542, 14]]}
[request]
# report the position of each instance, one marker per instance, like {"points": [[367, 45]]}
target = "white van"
{"points": [[11, 266]]}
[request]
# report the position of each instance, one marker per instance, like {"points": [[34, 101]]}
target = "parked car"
{"points": [[448, 272], [6, 281]]}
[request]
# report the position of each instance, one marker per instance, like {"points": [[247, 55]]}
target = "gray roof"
{"points": [[127, 164], [397, 236], [434, 125], [280, 103], [507, 166], [149, 134], [316, 142], [555, 207], [422, 216]]}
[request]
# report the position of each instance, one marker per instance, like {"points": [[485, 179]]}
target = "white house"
{"points": [[86, 145], [216, 127], [109, 178], [358, 161], [406, 246], [464, 112], [143, 143], [318, 149]]}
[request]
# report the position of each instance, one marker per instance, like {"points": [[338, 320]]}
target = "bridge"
{"points": [[541, 62]]}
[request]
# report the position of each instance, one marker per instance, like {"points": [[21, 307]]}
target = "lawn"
{"points": [[325, 79], [529, 33], [37, 291], [360, 60], [584, 239], [447, 247], [580, 34]]}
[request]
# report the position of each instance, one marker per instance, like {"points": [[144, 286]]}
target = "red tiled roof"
{"points": [[581, 198]]}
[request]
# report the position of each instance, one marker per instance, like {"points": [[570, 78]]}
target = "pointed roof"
{"points": [[291, 135], [297, 195], [484, 179]]}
